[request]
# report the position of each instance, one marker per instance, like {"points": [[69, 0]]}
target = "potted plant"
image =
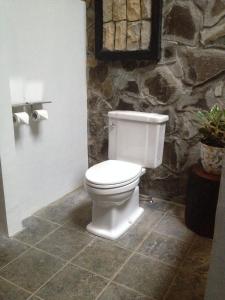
{"points": [[212, 130]]}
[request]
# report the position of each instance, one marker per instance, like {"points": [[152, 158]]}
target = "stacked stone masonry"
{"points": [[126, 25], [190, 76]]}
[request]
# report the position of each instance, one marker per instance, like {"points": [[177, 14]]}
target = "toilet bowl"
{"points": [[113, 188], [135, 142]]}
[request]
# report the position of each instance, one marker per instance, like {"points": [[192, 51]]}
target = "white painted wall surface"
{"points": [[216, 278], [42, 55]]}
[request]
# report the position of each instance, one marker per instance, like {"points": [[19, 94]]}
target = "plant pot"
{"points": [[212, 158]]}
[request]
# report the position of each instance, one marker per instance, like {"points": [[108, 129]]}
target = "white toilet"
{"points": [[136, 142]]}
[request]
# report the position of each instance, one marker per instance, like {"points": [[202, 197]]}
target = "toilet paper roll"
{"points": [[39, 114], [20, 118]]}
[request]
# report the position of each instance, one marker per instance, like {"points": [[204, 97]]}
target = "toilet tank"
{"points": [[137, 137]]}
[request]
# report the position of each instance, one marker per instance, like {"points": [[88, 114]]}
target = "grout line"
{"points": [[39, 298], [131, 289], [45, 219], [151, 230], [50, 254], [60, 269], [24, 252], [178, 269], [43, 238], [155, 259], [115, 274], [21, 254], [127, 260], [172, 236], [89, 271], [12, 283], [47, 235]]}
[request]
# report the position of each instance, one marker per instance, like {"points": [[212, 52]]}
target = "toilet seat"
{"points": [[112, 174], [112, 191]]}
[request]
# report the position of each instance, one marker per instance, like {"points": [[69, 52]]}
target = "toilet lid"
{"points": [[112, 172]]}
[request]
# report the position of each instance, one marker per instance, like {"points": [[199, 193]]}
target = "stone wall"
{"points": [[189, 76]]}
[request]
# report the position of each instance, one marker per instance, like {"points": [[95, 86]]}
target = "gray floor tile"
{"points": [[11, 292], [102, 257], [31, 270], [189, 284], [199, 252], [177, 211], [67, 209], [132, 238], [81, 216], [58, 212], [117, 292], [35, 229], [171, 208], [166, 249], [72, 283], [10, 249], [174, 227], [65, 242], [146, 276]]}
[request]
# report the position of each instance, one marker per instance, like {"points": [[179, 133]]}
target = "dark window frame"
{"points": [[153, 53]]}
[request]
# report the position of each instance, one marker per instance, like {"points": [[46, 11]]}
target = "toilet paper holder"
{"points": [[30, 106], [30, 103]]}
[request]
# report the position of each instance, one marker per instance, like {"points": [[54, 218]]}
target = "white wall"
{"points": [[42, 41], [216, 278]]}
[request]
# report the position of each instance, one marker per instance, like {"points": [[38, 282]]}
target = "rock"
{"points": [[145, 34], [91, 61], [99, 73], [187, 127], [201, 4], [121, 35], [215, 10], [188, 18], [163, 85], [177, 69], [219, 89], [200, 65], [107, 10], [119, 10], [133, 35], [124, 106], [210, 35], [106, 88], [146, 9], [129, 65], [163, 183], [108, 36], [175, 153], [133, 10], [169, 51], [132, 87]]}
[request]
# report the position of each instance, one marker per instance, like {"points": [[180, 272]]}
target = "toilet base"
{"points": [[112, 222]]}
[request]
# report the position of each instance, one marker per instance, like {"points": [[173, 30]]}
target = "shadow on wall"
{"points": [[21, 91], [3, 222], [34, 127]]}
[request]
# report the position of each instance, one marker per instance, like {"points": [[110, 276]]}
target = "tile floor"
{"points": [[54, 258]]}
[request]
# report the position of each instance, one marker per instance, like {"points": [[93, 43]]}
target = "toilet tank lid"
{"points": [[138, 116]]}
